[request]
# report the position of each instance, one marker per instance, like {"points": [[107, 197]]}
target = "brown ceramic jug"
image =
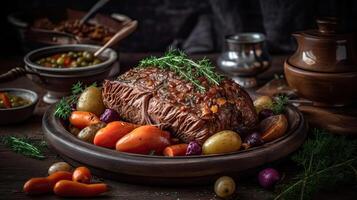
{"points": [[325, 49]]}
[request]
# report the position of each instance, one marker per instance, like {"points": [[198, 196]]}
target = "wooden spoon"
{"points": [[121, 34]]}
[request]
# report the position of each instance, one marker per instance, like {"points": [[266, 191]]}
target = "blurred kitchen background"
{"points": [[196, 26]]}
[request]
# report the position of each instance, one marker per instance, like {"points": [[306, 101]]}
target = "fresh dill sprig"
{"points": [[64, 107], [326, 160], [190, 70], [279, 104], [24, 146]]}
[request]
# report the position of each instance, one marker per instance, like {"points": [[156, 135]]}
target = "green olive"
{"points": [[88, 56], [91, 101], [222, 142], [224, 186], [59, 166], [87, 134]]}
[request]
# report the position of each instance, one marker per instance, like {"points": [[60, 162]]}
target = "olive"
{"points": [[87, 56], [74, 64], [59, 166], [222, 142], [224, 186], [96, 61], [87, 134], [60, 61], [80, 60], [91, 101], [84, 63]]}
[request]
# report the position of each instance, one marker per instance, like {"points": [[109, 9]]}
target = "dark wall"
{"points": [[197, 25]]}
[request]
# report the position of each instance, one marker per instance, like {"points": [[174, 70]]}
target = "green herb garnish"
{"points": [[326, 161], [64, 107], [279, 104], [24, 146], [188, 69]]}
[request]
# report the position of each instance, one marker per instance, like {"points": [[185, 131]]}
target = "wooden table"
{"points": [[15, 169]]}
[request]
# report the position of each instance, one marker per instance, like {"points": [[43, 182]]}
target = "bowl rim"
{"points": [[324, 74], [112, 58], [33, 102]]}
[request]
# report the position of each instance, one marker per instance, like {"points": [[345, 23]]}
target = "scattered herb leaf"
{"points": [[279, 104], [25, 146], [190, 70], [326, 161]]}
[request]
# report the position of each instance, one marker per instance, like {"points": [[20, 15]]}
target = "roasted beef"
{"points": [[160, 97]]}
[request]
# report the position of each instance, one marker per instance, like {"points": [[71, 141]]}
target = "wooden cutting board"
{"points": [[338, 120]]}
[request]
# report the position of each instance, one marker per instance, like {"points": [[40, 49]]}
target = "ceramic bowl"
{"points": [[18, 114], [330, 89], [58, 81]]}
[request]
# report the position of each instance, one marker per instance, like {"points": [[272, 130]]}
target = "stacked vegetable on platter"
{"points": [[172, 106]]}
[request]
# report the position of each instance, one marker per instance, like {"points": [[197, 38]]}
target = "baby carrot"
{"points": [[176, 150]]}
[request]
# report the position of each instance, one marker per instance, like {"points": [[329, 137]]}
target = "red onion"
{"points": [[109, 115], [193, 149], [265, 113], [252, 140], [268, 178]]}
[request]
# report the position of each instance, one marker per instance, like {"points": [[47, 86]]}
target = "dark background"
{"points": [[197, 26]]}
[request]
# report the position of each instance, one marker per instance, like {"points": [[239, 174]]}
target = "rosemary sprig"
{"points": [[188, 69], [64, 107], [326, 161], [279, 104], [24, 146]]}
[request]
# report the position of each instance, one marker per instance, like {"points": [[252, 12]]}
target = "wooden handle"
{"points": [[121, 34], [93, 10], [14, 74]]}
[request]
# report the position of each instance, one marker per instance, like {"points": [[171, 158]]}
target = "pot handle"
{"points": [[14, 74]]}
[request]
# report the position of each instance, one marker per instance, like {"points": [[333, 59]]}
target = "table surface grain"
{"points": [[15, 169]]}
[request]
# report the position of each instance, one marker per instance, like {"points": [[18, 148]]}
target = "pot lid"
{"points": [[328, 28]]}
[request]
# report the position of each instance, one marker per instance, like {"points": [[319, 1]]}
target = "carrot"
{"points": [[176, 150], [44, 185], [81, 174], [109, 135], [5, 100], [66, 188], [144, 140], [82, 119]]}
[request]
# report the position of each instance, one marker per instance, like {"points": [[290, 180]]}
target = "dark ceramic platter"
{"points": [[145, 169]]}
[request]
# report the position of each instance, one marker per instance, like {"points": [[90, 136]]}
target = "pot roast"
{"points": [[160, 97]]}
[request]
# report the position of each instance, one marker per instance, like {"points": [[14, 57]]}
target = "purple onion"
{"points": [[252, 140], [109, 115], [265, 113], [194, 148], [268, 178]]}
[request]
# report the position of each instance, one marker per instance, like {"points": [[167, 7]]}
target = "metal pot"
{"points": [[58, 81], [244, 58]]}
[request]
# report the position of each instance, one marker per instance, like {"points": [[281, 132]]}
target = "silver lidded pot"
{"points": [[244, 58]]}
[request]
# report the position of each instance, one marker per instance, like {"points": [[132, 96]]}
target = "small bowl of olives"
{"points": [[57, 68], [16, 105]]}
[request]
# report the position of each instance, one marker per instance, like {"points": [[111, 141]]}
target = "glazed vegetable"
{"points": [[224, 186], [82, 174], [222, 142], [12, 101], [88, 133], [69, 59], [109, 115], [273, 127], [109, 135], [73, 130], [263, 102], [66, 188], [265, 113], [175, 150], [44, 185], [144, 140], [268, 178], [193, 149], [252, 140], [59, 166], [91, 101], [81, 119]]}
